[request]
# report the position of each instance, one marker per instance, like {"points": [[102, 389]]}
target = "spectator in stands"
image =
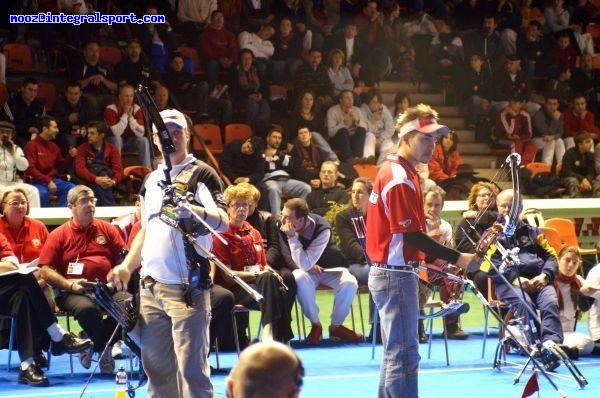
{"points": [[513, 127], [72, 111], [218, 46], [572, 302], [353, 48], [47, 166], [194, 16], [242, 161], [287, 57], [245, 256], [327, 191], [266, 369], [559, 86], [578, 118], [135, 68], [252, 93], [446, 53], [349, 242], [468, 14], [187, 91], [480, 215], [305, 114], [578, 171], [13, 160], [476, 88], [397, 45], [308, 249], [322, 18], [346, 128], [2, 68], [443, 165], [401, 104], [158, 40], [22, 298], [126, 122], [380, 127], [313, 76], [486, 42], [548, 125], [586, 80], [419, 30], [257, 13], [25, 235], [310, 156], [261, 46], [24, 110], [162, 99], [95, 79], [509, 20], [562, 54], [558, 21], [83, 249], [531, 12], [338, 73], [280, 173], [98, 164], [531, 50], [512, 82], [376, 64]]}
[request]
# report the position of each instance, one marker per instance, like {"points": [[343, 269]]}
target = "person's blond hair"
{"points": [[416, 112], [239, 191], [252, 188]]}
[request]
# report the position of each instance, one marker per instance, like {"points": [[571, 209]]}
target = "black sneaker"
{"points": [[70, 344], [33, 376]]}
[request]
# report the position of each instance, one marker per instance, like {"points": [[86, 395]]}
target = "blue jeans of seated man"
{"points": [[396, 297], [62, 188], [291, 187]]}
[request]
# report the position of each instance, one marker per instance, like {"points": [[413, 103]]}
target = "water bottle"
{"points": [[121, 377]]}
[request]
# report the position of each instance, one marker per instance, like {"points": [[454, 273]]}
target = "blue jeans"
{"points": [[291, 187], [396, 297], [62, 189]]}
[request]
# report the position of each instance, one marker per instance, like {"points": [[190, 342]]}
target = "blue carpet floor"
{"points": [[348, 371]]}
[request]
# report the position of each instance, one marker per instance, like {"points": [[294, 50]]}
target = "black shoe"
{"points": [[70, 344], [40, 360], [33, 376], [454, 332]]}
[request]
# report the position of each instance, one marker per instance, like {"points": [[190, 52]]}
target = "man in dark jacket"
{"points": [[72, 112], [241, 161], [320, 199], [578, 173], [24, 110]]}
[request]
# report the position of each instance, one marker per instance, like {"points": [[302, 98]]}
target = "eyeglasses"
{"points": [[85, 201], [16, 203], [239, 205]]}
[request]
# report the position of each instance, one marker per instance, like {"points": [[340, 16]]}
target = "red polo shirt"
{"points": [[98, 247], [395, 208], [27, 242]]}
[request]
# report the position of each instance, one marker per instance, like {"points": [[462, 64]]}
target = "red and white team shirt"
{"points": [[395, 208]]}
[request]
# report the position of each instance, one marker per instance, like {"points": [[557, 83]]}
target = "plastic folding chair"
{"points": [[47, 94], [3, 94], [192, 54], [11, 341], [211, 133], [19, 58], [366, 170], [566, 231], [538, 167], [110, 55], [237, 131], [553, 238]]}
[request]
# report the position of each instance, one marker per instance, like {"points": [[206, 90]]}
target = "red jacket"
{"points": [[519, 125], [574, 123], [245, 248], [110, 156], [215, 44], [440, 167], [45, 160], [121, 127], [27, 242]]}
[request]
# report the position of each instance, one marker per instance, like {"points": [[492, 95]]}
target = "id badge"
{"points": [[252, 268], [75, 268]]}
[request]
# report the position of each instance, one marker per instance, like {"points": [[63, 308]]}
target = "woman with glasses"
{"points": [[480, 215], [244, 254]]}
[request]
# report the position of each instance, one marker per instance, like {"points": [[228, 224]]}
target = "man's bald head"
{"points": [[504, 201], [266, 370]]}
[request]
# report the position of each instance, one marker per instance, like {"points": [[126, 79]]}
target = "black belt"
{"points": [[390, 267]]}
